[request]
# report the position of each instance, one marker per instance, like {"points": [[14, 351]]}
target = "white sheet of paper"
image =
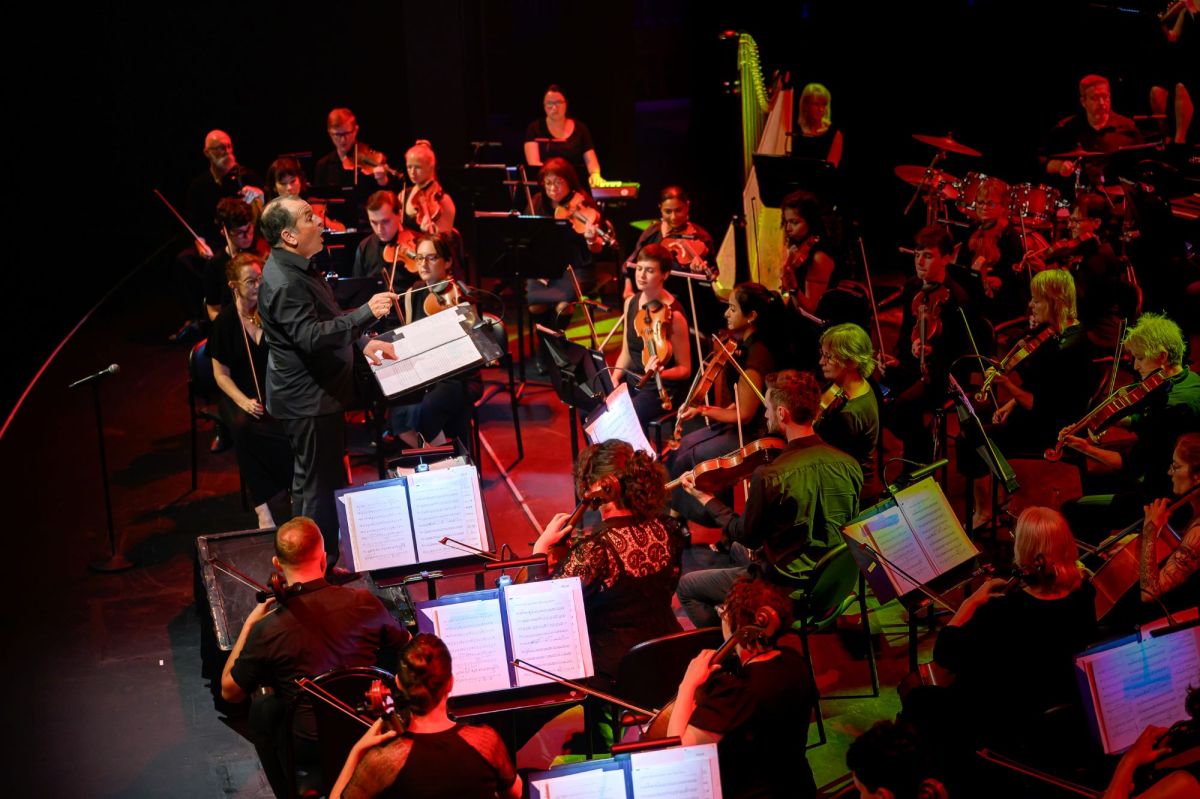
{"points": [[396, 377], [446, 502], [381, 534], [895, 541], [686, 772], [939, 531], [619, 421], [548, 629], [474, 633], [432, 331], [1142, 683], [598, 784]]}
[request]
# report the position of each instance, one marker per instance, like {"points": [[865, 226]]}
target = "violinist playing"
{"points": [[562, 196], [755, 322], [757, 708], [993, 249], [347, 166], [445, 407], [1156, 343], [630, 564], [691, 248], [426, 205], [1056, 382], [796, 505], [932, 336], [848, 412], [1175, 579], [386, 248], [635, 363], [285, 178], [808, 270]]}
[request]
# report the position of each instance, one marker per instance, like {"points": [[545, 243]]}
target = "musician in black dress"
{"points": [[558, 135], [816, 137], [239, 358]]}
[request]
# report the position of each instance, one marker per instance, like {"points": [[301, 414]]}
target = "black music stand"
{"points": [[580, 377], [973, 431], [779, 175], [532, 245]]}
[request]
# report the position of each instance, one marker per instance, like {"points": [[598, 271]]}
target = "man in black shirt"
{"points": [[383, 213], [1098, 130], [320, 627], [310, 371], [332, 172]]}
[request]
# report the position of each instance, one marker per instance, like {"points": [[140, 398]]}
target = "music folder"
{"points": [[681, 772], [916, 531], [542, 624], [432, 349], [400, 522], [1138, 680]]}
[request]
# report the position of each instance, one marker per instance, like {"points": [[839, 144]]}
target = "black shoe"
{"points": [[189, 331], [219, 444]]}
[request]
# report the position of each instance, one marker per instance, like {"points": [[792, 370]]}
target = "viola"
{"points": [[577, 211], [927, 307], [1104, 413], [1020, 351], [606, 489], [833, 398], [402, 250], [652, 323], [797, 257], [689, 251], [427, 204], [703, 383], [442, 295], [716, 474], [984, 246], [367, 159]]}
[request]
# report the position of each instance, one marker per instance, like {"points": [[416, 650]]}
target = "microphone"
{"points": [[111, 370]]}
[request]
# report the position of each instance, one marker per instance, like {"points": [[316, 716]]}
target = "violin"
{"points": [[689, 251], [581, 215], [606, 489], [797, 256], [442, 295], [402, 250], [1104, 413], [763, 631], [716, 474], [984, 246], [1020, 351], [701, 386], [427, 204], [833, 398], [927, 307], [364, 158], [652, 323]]}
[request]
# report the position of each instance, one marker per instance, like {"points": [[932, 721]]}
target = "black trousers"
{"points": [[320, 445]]}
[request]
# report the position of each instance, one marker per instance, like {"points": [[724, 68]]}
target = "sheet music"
{"points": [[474, 633], [380, 531], [548, 629], [1141, 683], [895, 541], [619, 421], [938, 530], [446, 502], [595, 784], [688, 772], [396, 377], [425, 334]]}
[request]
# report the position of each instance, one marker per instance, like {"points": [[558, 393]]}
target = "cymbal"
{"points": [[948, 144], [1078, 152], [942, 182]]}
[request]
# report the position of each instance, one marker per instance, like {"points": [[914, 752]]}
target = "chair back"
{"points": [[201, 382], [831, 586], [336, 733], [649, 674]]}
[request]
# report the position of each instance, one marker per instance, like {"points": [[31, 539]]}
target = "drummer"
{"points": [[1097, 130]]}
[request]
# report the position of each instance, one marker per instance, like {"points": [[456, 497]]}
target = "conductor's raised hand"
{"points": [[381, 303]]}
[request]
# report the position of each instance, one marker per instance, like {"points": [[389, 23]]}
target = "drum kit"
{"points": [[1029, 206]]}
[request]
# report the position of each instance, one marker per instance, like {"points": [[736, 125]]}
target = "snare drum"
{"points": [[1035, 203]]}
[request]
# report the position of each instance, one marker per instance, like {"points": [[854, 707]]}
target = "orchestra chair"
{"points": [[825, 593], [650, 672], [492, 388], [203, 394], [337, 734]]}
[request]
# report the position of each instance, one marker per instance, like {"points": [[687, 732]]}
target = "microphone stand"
{"points": [[116, 561]]}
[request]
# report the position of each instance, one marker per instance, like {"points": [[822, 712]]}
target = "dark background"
{"points": [[119, 100]]}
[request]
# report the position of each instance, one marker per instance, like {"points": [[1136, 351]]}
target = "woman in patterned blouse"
{"points": [[1180, 569], [629, 565]]}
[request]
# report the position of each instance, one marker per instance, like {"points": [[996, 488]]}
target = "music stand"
{"points": [[779, 175], [580, 377], [973, 430], [531, 244]]}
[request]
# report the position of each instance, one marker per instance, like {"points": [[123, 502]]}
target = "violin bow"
{"points": [[586, 313], [171, 208], [975, 348], [391, 279]]}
